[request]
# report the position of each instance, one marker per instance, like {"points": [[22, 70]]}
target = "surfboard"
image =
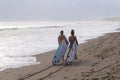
{"points": [[59, 52], [71, 54]]}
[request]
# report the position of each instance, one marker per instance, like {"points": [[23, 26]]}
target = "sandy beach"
{"points": [[98, 59]]}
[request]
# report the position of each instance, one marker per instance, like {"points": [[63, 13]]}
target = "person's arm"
{"points": [[69, 40], [76, 40], [66, 40], [59, 40]]}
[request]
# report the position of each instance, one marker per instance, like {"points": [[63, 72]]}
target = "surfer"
{"points": [[61, 37], [72, 38]]}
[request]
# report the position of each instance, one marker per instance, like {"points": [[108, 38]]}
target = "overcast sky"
{"points": [[58, 9]]}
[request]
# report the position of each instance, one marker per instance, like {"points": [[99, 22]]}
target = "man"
{"points": [[61, 37], [72, 38]]}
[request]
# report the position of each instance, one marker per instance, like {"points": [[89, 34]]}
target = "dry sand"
{"points": [[98, 59]]}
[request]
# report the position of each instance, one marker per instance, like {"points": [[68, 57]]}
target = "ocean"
{"points": [[20, 41]]}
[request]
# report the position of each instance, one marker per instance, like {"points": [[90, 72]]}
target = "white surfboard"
{"points": [[71, 54], [59, 52]]}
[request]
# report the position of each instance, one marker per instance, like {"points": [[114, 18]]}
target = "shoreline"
{"points": [[96, 58], [22, 48]]}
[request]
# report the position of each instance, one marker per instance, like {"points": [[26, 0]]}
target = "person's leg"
{"points": [[68, 53], [63, 58], [75, 56]]}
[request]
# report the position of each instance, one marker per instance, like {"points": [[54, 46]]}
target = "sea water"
{"points": [[19, 41]]}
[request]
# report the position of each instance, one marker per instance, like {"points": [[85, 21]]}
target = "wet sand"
{"points": [[97, 59]]}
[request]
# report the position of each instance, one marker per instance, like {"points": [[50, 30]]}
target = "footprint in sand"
{"points": [[75, 79], [65, 77]]}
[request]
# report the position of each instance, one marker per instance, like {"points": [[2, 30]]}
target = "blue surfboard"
{"points": [[71, 54], [59, 52]]}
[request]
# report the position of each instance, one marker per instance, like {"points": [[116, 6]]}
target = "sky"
{"points": [[57, 10]]}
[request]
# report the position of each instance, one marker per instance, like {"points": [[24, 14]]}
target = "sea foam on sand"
{"points": [[18, 46]]}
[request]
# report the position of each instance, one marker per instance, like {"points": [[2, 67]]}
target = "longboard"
{"points": [[71, 54], [59, 52]]}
